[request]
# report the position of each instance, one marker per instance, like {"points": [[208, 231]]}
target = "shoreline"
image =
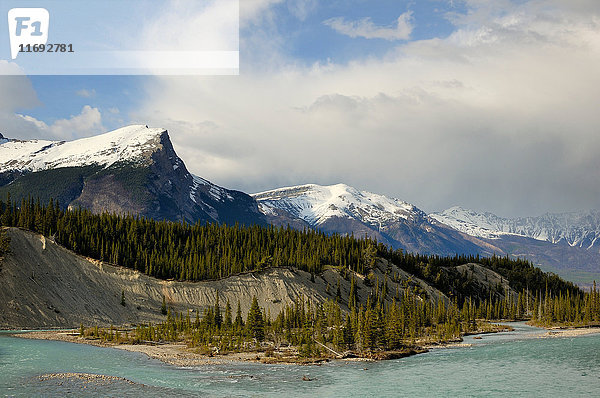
{"points": [[570, 331], [179, 354]]}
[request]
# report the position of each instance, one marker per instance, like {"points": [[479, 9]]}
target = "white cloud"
{"points": [[87, 123], [187, 25], [366, 28], [85, 93], [252, 11], [501, 115]]}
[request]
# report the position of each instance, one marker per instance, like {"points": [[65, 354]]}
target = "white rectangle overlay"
{"points": [[114, 37]]}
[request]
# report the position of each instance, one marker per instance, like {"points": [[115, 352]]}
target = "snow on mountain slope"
{"points": [[215, 191], [345, 210], [578, 229], [316, 204], [132, 143], [134, 169], [482, 225]]}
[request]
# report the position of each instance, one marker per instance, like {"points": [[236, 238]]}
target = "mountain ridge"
{"points": [[135, 170], [577, 229], [131, 170], [343, 209]]}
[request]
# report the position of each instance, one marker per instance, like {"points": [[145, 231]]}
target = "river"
{"points": [[499, 365]]}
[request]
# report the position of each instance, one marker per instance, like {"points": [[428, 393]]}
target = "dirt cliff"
{"points": [[45, 285]]}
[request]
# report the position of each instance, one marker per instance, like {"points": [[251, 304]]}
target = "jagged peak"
{"points": [[127, 143], [575, 228]]}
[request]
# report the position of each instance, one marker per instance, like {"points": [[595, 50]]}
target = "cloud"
{"points": [[200, 26], [366, 28], [87, 123], [22, 94], [501, 115], [302, 8], [85, 93], [255, 11]]}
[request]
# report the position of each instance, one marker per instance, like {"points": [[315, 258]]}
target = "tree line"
{"points": [[312, 329], [181, 251]]}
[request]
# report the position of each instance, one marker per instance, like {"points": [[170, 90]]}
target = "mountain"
{"points": [[133, 170], [346, 210], [565, 243], [576, 229]]}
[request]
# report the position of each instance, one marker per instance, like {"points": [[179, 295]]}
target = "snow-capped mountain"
{"points": [[346, 210], [315, 204], [133, 169], [577, 229], [132, 143]]}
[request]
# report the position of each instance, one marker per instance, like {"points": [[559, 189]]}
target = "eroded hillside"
{"points": [[45, 285]]}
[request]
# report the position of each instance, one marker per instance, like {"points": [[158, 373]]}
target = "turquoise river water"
{"points": [[501, 365]]}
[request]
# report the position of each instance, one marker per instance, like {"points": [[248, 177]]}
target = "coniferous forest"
{"points": [[180, 251]]}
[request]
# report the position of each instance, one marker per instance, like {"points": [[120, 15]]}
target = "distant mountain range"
{"points": [[135, 170], [580, 229], [343, 209]]}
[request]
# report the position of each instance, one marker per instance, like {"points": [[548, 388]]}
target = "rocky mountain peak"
{"points": [[133, 143]]}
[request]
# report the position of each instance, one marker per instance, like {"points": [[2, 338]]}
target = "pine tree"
{"points": [[239, 322], [218, 317], [227, 321], [352, 297], [348, 333], [255, 322], [163, 308]]}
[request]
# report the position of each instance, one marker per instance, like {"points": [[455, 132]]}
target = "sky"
{"points": [[490, 105]]}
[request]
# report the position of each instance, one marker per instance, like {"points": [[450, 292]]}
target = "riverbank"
{"points": [[571, 332], [179, 354]]}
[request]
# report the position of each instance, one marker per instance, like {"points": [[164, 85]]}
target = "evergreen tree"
{"points": [[255, 322], [227, 323], [218, 317], [163, 308], [239, 322]]}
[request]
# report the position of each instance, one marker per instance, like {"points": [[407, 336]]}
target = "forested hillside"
{"points": [[383, 307], [170, 250]]}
